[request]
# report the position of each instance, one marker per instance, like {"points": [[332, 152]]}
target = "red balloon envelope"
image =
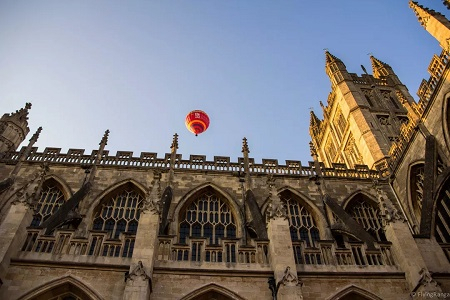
{"points": [[197, 121]]}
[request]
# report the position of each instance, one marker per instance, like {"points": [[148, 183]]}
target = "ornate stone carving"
{"points": [[152, 201], [138, 273], [426, 281], [275, 208], [23, 195], [389, 213], [290, 278]]}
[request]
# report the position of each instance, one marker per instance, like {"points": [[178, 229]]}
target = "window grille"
{"points": [[49, 202], [301, 223], [369, 217], [207, 216], [119, 214]]}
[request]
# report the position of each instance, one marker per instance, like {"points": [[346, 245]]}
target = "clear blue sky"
{"points": [[138, 67]]}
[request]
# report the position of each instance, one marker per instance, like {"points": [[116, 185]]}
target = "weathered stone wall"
{"points": [[106, 282]]}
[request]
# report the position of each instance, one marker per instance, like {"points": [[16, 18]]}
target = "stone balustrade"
{"points": [[64, 242], [195, 163], [198, 250], [355, 254]]}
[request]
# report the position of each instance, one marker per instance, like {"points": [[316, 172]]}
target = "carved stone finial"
{"points": [[104, 140], [174, 144], [245, 148], [28, 105]]}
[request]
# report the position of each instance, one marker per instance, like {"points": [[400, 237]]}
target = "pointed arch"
{"points": [[130, 182], [353, 292], [195, 191], [61, 286], [415, 191], [208, 216], [365, 210], [357, 193], [67, 191], [209, 289], [117, 211], [304, 200], [54, 193], [302, 220]]}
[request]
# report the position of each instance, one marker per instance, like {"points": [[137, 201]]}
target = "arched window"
{"points": [[416, 177], [442, 219], [49, 202], [367, 215], [301, 223], [209, 216], [119, 212]]}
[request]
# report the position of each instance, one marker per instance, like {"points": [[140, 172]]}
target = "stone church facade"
{"points": [[367, 218]]}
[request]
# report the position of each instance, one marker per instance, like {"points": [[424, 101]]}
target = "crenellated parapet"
{"points": [[150, 160]]}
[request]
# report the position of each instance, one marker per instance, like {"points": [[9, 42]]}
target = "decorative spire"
{"points": [[314, 120], [21, 115], [104, 140], [27, 151], [247, 178], [433, 22], [335, 69], [15, 129], [379, 68], [102, 144], [245, 148], [174, 145], [35, 136], [330, 58]]}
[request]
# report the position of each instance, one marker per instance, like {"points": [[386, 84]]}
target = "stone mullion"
{"points": [[138, 286]]}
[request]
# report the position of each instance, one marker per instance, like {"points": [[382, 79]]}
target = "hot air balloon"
{"points": [[197, 121]]}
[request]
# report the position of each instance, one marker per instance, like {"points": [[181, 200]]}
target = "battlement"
{"points": [[150, 160]]}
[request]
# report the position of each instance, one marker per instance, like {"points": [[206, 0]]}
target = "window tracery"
{"points": [[301, 223], [207, 216], [442, 230], [416, 185], [49, 202], [120, 213], [352, 153], [368, 216]]}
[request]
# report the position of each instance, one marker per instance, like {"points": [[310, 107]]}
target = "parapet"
{"points": [[195, 162]]}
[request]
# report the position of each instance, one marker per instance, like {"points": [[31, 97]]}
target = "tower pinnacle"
{"points": [[433, 22]]}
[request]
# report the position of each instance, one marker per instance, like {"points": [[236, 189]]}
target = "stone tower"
{"points": [[362, 117], [14, 129], [433, 22]]}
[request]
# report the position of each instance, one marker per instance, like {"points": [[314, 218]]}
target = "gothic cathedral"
{"points": [[367, 218]]}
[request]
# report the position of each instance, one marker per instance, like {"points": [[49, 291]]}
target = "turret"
{"points": [[433, 22], [383, 70], [335, 69], [314, 125], [14, 129]]}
